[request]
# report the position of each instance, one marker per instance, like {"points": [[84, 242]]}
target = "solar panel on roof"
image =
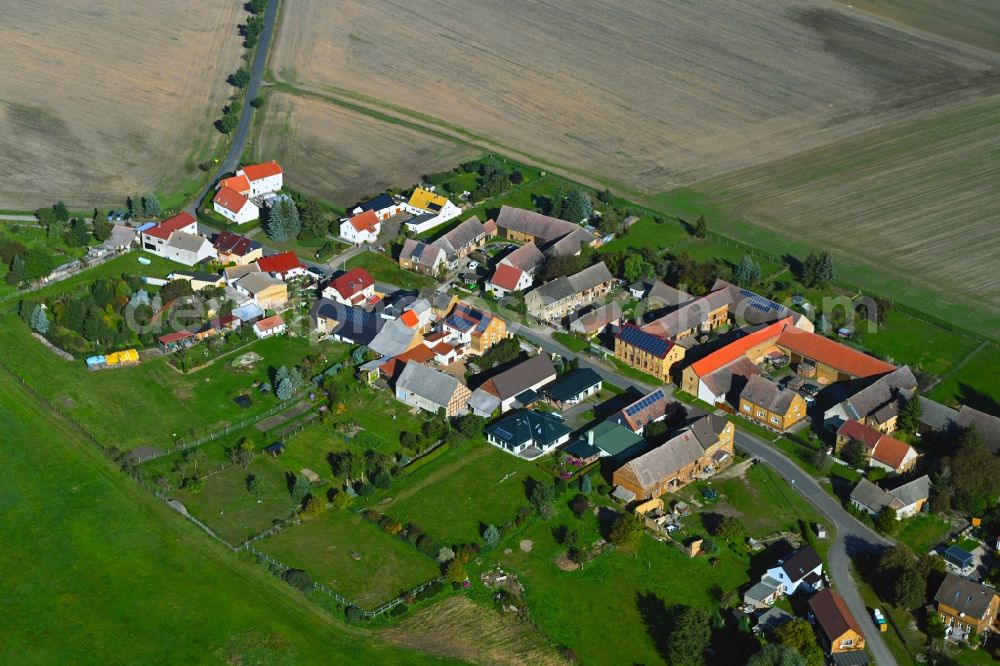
{"points": [[503, 433]]}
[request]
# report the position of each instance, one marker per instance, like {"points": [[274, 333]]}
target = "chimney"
{"points": [[590, 437]]}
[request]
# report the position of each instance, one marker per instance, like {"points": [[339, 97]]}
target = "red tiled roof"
{"points": [[443, 348], [839, 357], [174, 337], [434, 337], [394, 365], [239, 183], [366, 221], [279, 263], [261, 171], [490, 226], [506, 277], [410, 318], [890, 451], [230, 199], [352, 282], [859, 432], [170, 225], [230, 243], [740, 347], [269, 323]]}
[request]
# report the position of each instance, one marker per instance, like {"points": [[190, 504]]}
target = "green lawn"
{"points": [[107, 574], [570, 342], [637, 375], [922, 532], [352, 557], [384, 269], [904, 338], [977, 383], [149, 403], [647, 233], [475, 483]]}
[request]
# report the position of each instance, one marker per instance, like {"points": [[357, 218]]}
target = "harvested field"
{"points": [[645, 93], [100, 99], [460, 629], [345, 156], [975, 22], [909, 210]]}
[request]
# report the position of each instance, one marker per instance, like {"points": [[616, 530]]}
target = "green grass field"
{"points": [[107, 574], [476, 483], [923, 532], [570, 342], [327, 546], [905, 338], [384, 269], [976, 383]]}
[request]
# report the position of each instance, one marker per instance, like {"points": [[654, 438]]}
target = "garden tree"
{"points": [[60, 211], [314, 219], [101, 227], [492, 181], [635, 269], [585, 485], [798, 635], [577, 206], [910, 414], [935, 626], [885, 520], [810, 268], [298, 579], [10, 249], [974, 474], [747, 272], [516, 177], [314, 506], [348, 465], [382, 479], [689, 637], [606, 197], [455, 571], [611, 222], [283, 222], [243, 453], [39, 320], [825, 273], [491, 536], [253, 485], [697, 276], [730, 529], [502, 352], [709, 546], [470, 425], [300, 489], [151, 205], [542, 496], [134, 204], [78, 234], [627, 530], [55, 229], [774, 654], [240, 78], [341, 501], [175, 289], [701, 227], [820, 459], [902, 577], [562, 265], [579, 505], [95, 328], [853, 453]]}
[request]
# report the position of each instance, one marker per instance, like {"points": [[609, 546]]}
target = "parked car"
{"points": [[811, 389], [473, 265], [671, 528]]}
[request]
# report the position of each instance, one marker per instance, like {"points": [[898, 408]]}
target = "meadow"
{"points": [[93, 550], [101, 101], [384, 269]]}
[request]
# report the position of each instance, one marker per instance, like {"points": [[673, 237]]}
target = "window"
{"points": [[760, 413], [774, 419], [847, 642], [746, 408]]}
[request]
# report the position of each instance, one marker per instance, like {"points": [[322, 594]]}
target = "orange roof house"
{"points": [[239, 183], [230, 199], [838, 630], [170, 225], [261, 171], [366, 221], [833, 361]]}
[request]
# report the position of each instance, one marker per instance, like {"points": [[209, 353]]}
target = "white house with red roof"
{"points": [[355, 287], [506, 279], [177, 239], [269, 326], [283, 265], [383, 205], [234, 206], [361, 228], [255, 180]]}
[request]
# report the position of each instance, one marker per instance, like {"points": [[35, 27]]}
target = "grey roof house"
{"points": [[560, 297], [431, 390], [530, 374]]}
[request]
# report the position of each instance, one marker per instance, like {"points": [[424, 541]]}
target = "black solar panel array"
{"points": [[648, 342], [650, 399]]}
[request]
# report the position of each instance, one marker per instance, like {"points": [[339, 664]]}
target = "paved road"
{"points": [[19, 218], [246, 115]]}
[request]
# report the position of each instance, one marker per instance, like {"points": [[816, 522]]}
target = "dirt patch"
{"points": [[272, 422], [566, 564]]}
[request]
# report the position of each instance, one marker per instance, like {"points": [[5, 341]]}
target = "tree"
{"points": [[885, 520], [17, 269], [935, 626], [283, 222], [300, 489], [902, 577], [585, 485], [701, 227], [576, 206], [747, 272], [151, 205], [853, 453], [37, 264], [60, 211], [298, 579], [101, 227], [253, 485], [78, 234], [975, 474], [243, 453], [240, 78], [689, 638], [341, 501], [284, 390], [491, 536], [39, 320], [910, 414], [820, 459], [635, 268], [627, 530], [708, 546], [313, 218], [730, 529], [470, 425], [798, 635], [314, 506], [455, 571], [542, 496], [579, 505], [810, 268], [825, 273], [774, 654]]}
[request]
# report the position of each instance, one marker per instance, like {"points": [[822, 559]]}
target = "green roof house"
{"points": [[573, 387], [606, 440]]}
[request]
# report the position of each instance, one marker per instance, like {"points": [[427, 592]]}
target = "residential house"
{"points": [[573, 387], [747, 308], [770, 405], [345, 323], [647, 409], [121, 237], [883, 451], [838, 630], [987, 425], [527, 433], [361, 228], [554, 237], [598, 320], [965, 606], [429, 210], [652, 354], [355, 287], [764, 593], [640, 288], [483, 403], [800, 572], [390, 369], [442, 303], [234, 274], [255, 180], [477, 329], [235, 207], [284, 265], [507, 279], [662, 295], [468, 236], [907, 500], [218, 326], [420, 257], [266, 291], [876, 405], [384, 207], [237, 249], [700, 315], [725, 371], [199, 279], [560, 297], [606, 440], [397, 336], [528, 258], [694, 453], [177, 239], [935, 417], [269, 326], [529, 375], [431, 390], [828, 361]]}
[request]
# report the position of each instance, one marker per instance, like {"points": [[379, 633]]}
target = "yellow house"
{"points": [[770, 405], [426, 200], [647, 352]]}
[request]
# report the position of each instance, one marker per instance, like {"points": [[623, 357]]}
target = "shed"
{"points": [[276, 449], [958, 556], [623, 495]]}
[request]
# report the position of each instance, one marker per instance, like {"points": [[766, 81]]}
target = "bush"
{"points": [[398, 610], [353, 613], [298, 579], [517, 177], [366, 489]]}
